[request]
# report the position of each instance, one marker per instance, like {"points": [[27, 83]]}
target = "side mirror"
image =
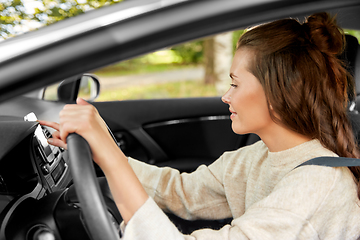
{"points": [[89, 88], [86, 86]]}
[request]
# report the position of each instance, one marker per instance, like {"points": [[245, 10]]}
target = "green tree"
{"points": [[56, 10], [12, 13], [190, 52], [15, 13], [355, 33]]}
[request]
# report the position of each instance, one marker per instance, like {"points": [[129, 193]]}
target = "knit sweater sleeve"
{"points": [[191, 196], [298, 208], [150, 223]]}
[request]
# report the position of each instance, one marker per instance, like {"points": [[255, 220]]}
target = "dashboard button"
{"points": [[45, 170]]}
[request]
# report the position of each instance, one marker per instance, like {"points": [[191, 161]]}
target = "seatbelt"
{"points": [[332, 162]]}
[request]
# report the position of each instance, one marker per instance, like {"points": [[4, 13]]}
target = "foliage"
{"points": [[355, 33], [17, 13], [11, 13], [190, 52], [236, 36], [56, 10], [184, 55], [184, 89], [135, 66], [238, 33]]}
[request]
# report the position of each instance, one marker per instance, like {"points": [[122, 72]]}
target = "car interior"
{"points": [[179, 133], [351, 56], [352, 52]]}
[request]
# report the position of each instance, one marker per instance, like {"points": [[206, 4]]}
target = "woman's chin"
{"points": [[239, 130]]}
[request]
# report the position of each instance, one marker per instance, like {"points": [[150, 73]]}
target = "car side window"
{"points": [[50, 92], [198, 68]]}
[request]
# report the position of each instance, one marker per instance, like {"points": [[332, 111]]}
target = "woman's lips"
{"points": [[233, 114]]}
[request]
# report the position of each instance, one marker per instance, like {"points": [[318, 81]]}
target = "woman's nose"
{"points": [[226, 97]]}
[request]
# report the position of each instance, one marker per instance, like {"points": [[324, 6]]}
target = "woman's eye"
{"points": [[233, 85]]}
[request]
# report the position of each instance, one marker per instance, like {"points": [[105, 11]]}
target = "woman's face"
{"points": [[246, 98]]}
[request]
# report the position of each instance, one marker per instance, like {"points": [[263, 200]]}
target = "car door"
{"points": [[181, 133]]}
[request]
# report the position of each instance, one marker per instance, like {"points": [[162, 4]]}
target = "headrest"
{"points": [[351, 56], [351, 51]]}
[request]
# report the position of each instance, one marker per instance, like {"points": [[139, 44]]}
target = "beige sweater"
{"points": [[267, 198]]}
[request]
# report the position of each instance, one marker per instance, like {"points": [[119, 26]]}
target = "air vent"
{"points": [[47, 133]]}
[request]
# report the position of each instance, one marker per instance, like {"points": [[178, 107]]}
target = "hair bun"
{"points": [[325, 33]]}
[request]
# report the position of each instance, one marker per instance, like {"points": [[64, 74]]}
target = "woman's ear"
{"points": [[273, 112]]}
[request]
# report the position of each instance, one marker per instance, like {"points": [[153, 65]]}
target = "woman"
{"points": [[289, 88]]}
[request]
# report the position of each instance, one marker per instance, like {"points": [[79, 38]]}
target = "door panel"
{"points": [[193, 141], [181, 133]]}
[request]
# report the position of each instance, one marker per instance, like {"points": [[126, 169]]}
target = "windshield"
{"points": [[20, 16]]}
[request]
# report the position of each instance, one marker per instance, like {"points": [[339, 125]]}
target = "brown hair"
{"points": [[304, 80]]}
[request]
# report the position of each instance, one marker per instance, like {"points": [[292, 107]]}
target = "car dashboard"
{"points": [[30, 168], [50, 161]]}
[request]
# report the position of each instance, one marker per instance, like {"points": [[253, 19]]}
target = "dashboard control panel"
{"points": [[51, 164], [51, 161]]}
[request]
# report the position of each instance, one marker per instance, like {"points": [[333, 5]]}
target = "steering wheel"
{"points": [[88, 191]]}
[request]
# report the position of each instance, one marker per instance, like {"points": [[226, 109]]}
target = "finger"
{"points": [[53, 125], [57, 143], [81, 117], [79, 110], [81, 101], [56, 135], [65, 129]]}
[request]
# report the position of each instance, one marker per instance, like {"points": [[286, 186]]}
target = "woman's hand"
{"points": [[82, 118], [55, 140]]}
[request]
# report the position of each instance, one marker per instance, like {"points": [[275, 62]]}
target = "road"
{"points": [[186, 74]]}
